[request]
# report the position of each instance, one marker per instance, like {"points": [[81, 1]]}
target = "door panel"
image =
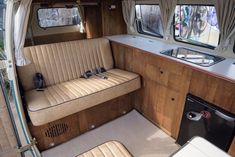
{"points": [[8, 141]]}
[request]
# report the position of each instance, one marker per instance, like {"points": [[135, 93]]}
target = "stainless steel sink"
{"points": [[193, 56]]}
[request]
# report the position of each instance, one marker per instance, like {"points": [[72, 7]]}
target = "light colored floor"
{"points": [[141, 138]]}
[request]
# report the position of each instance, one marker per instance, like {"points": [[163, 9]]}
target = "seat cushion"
{"points": [[108, 149], [67, 98]]}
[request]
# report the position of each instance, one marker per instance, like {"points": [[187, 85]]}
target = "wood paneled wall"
{"points": [[231, 151], [112, 19], [93, 22], [54, 38], [103, 21], [100, 21], [165, 84], [213, 90]]}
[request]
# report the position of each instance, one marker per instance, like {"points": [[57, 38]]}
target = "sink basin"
{"points": [[193, 56]]}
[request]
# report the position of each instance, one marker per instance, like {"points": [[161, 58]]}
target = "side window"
{"points": [[148, 19], [56, 17], [2, 29], [196, 24]]}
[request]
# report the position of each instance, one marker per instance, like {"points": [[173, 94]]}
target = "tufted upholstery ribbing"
{"points": [[108, 149], [61, 62], [66, 93]]}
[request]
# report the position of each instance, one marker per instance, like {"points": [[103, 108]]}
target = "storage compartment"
{"points": [[201, 118]]}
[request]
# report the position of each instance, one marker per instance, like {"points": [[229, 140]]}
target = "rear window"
{"points": [[196, 24], [57, 17], [148, 19]]}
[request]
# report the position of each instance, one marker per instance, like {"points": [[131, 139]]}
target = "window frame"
{"points": [[55, 8], [199, 43], [138, 23], [234, 47], [3, 7]]}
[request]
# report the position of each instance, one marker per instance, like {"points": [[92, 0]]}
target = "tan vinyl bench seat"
{"points": [[66, 93], [108, 149], [66, 98]]}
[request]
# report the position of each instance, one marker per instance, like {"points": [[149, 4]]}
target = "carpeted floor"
{"points": [[141, 138]]}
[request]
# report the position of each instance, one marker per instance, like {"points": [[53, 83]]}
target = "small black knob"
{"points": [[191, 115], [173, 99], [161, 72]]}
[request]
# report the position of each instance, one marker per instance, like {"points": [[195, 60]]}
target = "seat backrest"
{"points": [[64, 61]]}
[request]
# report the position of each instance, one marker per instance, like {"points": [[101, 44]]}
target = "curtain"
{"points": [[128, 10], [167, 8], [20, 29], [82, 17], [226, 20]]}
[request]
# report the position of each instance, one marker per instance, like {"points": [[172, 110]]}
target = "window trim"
{"points": [[138, 23], [53, 8], [234, 47], [200, 44], [3, 7]]}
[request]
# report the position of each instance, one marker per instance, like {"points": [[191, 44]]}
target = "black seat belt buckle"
{"points": [[100, 70], [86, 75]]}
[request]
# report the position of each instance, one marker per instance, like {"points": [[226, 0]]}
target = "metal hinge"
{"points": [[33, 142]]}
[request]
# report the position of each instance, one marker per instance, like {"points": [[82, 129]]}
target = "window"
{"points": [[149, 20], [3, 57], [196, 24], [54, 17], [2, 29]]}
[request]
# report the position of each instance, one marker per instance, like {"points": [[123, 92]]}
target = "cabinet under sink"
{"points": [[193, 56]]}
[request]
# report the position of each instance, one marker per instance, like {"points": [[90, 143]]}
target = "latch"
{"points": [[28, 146]]}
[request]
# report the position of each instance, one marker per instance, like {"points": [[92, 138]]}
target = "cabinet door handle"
{"points": [[172, 99], [161, 71]]}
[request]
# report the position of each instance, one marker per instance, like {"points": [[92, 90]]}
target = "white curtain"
{"points": [[226, 19], [20, 30], [167, 11], [128, 10], [82, 17]]}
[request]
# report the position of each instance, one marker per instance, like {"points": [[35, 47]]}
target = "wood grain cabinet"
{"points": [[165, 84], [214, 90], [231, 151], [62, 130]]}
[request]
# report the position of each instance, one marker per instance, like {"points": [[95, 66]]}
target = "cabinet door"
{"points": [[160, 105], [157, 74], [8, 136], [170, 105]]}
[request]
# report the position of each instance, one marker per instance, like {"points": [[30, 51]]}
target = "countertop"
{"points": [[224, 69], [199, 147]]}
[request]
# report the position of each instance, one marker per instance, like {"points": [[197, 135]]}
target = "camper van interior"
{"points": [[117, 78]]}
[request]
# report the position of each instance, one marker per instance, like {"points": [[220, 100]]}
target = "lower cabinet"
{"points": [[162, 105], [165, 84], [62, 130]]}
